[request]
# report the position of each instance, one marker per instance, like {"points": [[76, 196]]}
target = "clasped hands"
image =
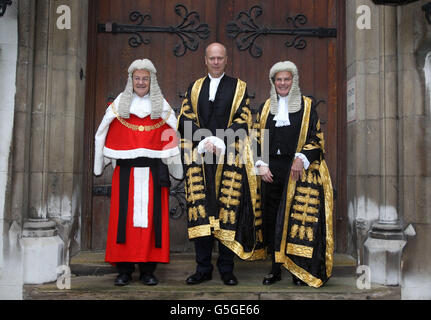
{"points": [[210, 147]]}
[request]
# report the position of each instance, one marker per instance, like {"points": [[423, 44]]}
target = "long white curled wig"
{"points": [[156, 95], [294, 95]]}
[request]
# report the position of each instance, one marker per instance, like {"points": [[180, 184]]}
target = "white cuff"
{"points": [[219, 144], [258, 164], [304, 159]]}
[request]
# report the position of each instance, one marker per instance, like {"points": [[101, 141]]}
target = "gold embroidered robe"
{"points": [[304, 241], [236, 220]]}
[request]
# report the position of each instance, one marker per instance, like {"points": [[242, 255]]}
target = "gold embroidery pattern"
{"points": [[227, 236], [298, 250], [194, 172], [239, 95], [323, 179], [240, 89], [199, 231], [195, 96], [214, 223], [230, 195], [329, 205], [299, 272], [230, 184], [228, 201], [263, 118], [193, 213], [194, 186], [304, 211], [227, 216], [243, 148], [236, 247]]}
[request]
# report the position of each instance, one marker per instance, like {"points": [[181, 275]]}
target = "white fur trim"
{"points": [[141, 178], [139, 152], [102, 159], [175, 166], [99, 142]]}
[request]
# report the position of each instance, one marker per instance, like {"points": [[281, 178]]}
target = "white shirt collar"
{"points": [[217, 79], [214, 86]]}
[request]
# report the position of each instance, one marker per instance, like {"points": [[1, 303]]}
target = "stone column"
{"points": [[386, 240], [48, 174], [42, 246], [414, 65]]}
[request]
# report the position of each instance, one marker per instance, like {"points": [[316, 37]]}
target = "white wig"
{"points": [[294, 95], [156, 95]]}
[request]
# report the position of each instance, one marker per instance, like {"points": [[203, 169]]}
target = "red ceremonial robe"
{"points": [[125, 143]]}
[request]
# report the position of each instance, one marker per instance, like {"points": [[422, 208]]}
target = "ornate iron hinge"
{"points": [[245, 29], [190, 30]]}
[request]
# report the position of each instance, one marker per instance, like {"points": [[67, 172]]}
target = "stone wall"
{"points": [[414, 48], [388, 138], [372, 144], [47, 158]]}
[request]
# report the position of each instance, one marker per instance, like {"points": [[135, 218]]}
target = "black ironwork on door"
{"points": [[246, 30], [190, 30]]}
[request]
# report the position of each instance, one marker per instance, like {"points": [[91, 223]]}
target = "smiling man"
{"points": [[296, 186], [141, 82], [132, 136]]}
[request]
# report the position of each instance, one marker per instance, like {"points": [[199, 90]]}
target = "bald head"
{"points": [[215, 46], [216, 59]]}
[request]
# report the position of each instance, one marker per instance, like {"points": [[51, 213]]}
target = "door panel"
{"points": [[109, 55]]}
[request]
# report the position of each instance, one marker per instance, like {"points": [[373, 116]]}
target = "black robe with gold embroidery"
{"points": [[304, 237], [222, 198]]}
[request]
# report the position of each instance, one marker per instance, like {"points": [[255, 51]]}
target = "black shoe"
{"points": [[198, 277], [298, 282], [148, 279], [271, 278], [122, 279], [229, 279]]}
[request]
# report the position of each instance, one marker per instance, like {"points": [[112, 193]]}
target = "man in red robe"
{"points": [[137, 135]]}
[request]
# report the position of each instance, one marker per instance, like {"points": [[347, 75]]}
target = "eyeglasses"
{"points": [[144, 79]]}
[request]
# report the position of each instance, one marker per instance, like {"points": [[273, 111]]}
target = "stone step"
{"points": [[88, 263], [92, 279]]}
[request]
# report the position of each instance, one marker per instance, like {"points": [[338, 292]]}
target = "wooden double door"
{"points": [[174, 35]]}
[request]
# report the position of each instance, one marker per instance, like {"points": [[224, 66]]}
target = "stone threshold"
{"points": [[92, 279]]}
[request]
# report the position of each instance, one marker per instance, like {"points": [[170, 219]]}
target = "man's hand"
{"points": [[296, 170], [210, 147], [265, 173]]}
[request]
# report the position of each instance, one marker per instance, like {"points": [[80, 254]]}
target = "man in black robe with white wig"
{"points": [[297, 197]]}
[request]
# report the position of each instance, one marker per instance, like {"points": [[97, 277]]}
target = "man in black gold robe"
{"points": [[220, 182], [297, 197]]}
